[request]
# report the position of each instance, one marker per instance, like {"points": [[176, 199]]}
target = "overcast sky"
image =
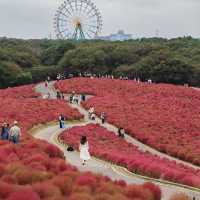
{"points": [[34, 18]]}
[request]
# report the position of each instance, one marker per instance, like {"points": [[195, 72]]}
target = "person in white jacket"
{"points": [[15, 133]]}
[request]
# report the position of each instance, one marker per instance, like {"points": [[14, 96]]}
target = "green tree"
{"points": [[53, 54], [11, 75]]}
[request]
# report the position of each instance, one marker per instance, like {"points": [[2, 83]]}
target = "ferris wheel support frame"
{"points": [[78, 34]]}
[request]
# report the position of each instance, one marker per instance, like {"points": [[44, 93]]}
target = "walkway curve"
{"points": [[50, 134], [142, 147]]}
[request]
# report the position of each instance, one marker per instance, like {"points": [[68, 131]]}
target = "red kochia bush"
{"points": [[155, 189], [26, 91], [24, 194], [6, 189], [65, 184], [47, 190], [82, 196], [121, 183], [87, 179], [180, 197], [53, 151], [134, 191], [163, 116], [34, 111]]}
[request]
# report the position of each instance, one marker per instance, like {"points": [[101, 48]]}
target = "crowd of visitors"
{"points": [[93, 75], [137, 78], [60, 77], [11, 133], [121, 77]]}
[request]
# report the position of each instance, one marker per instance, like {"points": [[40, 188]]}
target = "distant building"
{"points": [[119, 36]]}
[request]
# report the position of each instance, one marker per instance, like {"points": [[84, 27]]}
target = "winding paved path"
{"points": [[142, 147], [51, 132]]}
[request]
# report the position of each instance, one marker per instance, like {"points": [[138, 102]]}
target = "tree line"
{"points": [[170, 61]]}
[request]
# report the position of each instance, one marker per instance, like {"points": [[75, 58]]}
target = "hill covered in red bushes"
{"points": [[26, 91], [36, 170], [165, 117]]}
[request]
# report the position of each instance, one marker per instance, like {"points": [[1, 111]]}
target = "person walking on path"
{"points": [[58, 95], [84, 150], [71, 99], [46, 84], [76, 99], [103, 118], [48, 79], [121, 132], [62, 96], [5, 131], [58, 77], [61, 120], [48, 95], [93, 117], [15, 133], [90, 112], [83, 98]]}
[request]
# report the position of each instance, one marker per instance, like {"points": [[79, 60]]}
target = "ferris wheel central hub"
{"points": [[77, 22], [77, 19]]}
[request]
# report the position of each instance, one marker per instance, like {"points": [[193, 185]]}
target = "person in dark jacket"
{"points": [[103, 118], [5, 132], [61, 120], [58, 95], [121, 132], [83, 97]]}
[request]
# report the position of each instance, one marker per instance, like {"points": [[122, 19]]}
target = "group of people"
{"points": [[11, 133], [60, 77], [92, 115], [60, 95], [75, 98], [107, 76], [136, 79]]}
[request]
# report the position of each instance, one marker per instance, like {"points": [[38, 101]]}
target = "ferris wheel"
{"points": [[77, 19]]}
